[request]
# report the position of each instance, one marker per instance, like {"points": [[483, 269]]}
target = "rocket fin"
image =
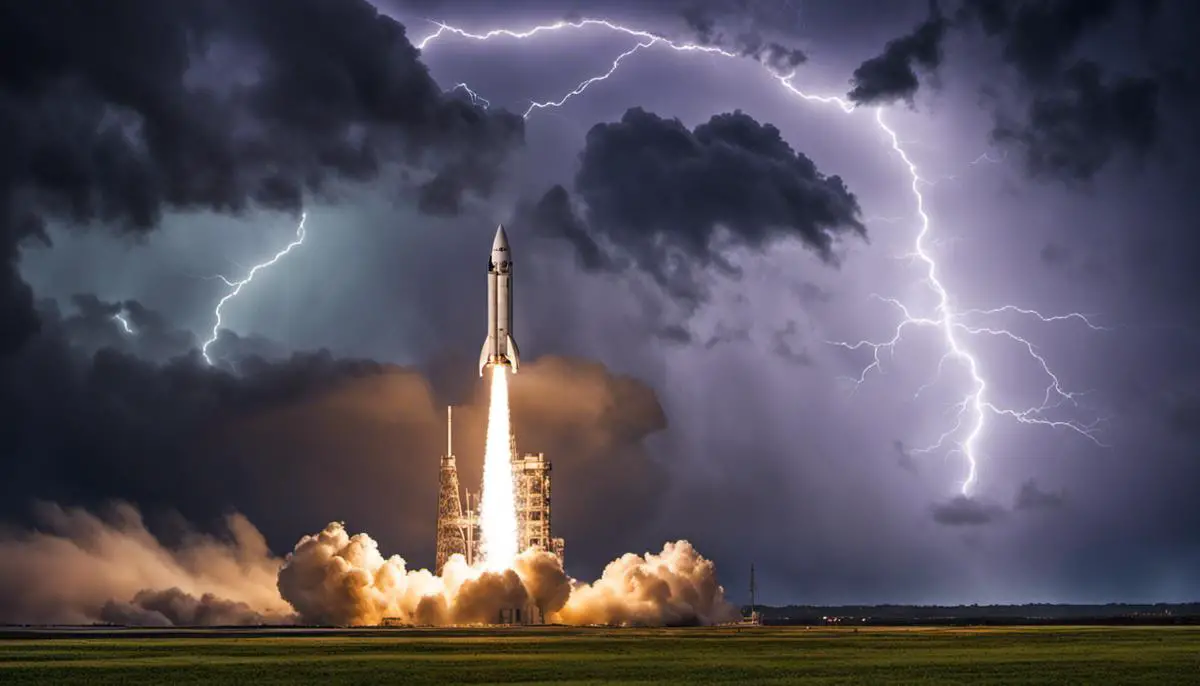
{"points": [[485, 354], [514, 355]]}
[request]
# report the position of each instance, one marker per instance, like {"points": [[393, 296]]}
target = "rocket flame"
{"points": [[498, 509]]}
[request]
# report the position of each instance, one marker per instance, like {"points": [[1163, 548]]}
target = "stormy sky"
{"points": [[691, 240]]}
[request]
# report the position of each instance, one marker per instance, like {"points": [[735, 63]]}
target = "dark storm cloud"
{"points": [[707, 19], [892, 75], [118, 113], [95, 325], [1077, 117], [1074, 130], [1070, 116], [963, 511], [1039, 37], [670, 200], [1032, 497], [553, 215]]}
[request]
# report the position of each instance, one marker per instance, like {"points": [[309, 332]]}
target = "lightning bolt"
{"points": [[237, 286], [985, 157], [975, 405], [584, 86], [120, 317], [476, 99], [647, 39]]}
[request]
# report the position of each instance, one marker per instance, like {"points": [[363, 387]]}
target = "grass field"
{"points": [[1110, 655]]}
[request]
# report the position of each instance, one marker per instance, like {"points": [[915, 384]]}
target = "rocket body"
{"points": [[499, 348]]}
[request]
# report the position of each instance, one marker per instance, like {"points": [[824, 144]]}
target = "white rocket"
{"points": [[499, 346]]}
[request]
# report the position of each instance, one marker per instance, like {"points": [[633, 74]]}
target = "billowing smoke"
{"points": [[336, 578], [84, 569], [675, 587], [173, 607], [79, 568]]}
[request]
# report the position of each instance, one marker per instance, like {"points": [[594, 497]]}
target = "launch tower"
{"points": [[531, 481], [451, 534]]}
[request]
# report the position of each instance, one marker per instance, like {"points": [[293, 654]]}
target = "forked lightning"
{"points": [[236, 286], [975, 406]]}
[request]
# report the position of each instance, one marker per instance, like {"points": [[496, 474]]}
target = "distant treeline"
{"points": [[951, 615]]}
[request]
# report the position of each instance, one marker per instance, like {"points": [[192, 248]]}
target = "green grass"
{"points": [[1151, 655]]}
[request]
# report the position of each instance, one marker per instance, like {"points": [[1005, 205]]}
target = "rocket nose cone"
{"points": [[501, 240]]}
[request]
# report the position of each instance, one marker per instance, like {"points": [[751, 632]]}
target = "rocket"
{"points": [[499, 346]]}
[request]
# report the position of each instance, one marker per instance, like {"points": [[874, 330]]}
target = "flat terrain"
{"points": [[762, 655]]}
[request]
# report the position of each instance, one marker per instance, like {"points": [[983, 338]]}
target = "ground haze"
{"points": [[1008, 655]]}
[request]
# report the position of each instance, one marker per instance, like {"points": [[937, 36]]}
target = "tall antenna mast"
{"points": [[449, 430], [753, 588]]}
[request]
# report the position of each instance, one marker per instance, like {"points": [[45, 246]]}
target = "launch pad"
{"points": [[458, 530]]}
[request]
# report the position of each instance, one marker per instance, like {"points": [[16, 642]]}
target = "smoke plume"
{"points": [[173, 607], [84, 569], [335, 578], [675, 587], [80, 568]]}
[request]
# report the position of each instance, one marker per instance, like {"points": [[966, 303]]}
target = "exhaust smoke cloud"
{"points": [[84, 569], [335, 578], [79, 568]]}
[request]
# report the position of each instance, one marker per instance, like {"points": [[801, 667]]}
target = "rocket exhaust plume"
{"points": [[498, 508]]}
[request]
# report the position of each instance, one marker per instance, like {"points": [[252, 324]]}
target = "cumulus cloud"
{"points": [[668, 200], [892, 75]]}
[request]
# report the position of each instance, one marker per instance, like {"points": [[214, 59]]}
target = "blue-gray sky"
{"points": [[763, 452]]}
